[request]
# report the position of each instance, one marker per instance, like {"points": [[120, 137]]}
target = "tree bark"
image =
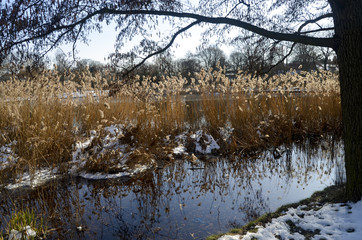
{"points": [[347, 16]]}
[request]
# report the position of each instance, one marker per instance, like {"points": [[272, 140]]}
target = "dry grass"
{"points": [[42, 121]]}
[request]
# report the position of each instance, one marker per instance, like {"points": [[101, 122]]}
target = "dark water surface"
{"points": [[181, 201]]}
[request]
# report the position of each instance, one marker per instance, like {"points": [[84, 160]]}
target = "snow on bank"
{"points": [[331, 221], [126, 173], [7, 156], [109, 143], [39, 177], [111, 148], [96, 145], [204, 143], [198, 142]]}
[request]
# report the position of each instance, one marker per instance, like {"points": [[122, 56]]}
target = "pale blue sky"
{"points": [[102, 44]]}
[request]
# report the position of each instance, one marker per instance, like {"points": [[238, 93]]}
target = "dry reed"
{"points": [[43, 118]]}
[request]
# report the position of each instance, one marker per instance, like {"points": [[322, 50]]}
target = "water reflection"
{"points": [[180, 201]]}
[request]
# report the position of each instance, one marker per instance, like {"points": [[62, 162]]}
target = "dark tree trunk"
{"points": [[325, 62], [348, 24]]}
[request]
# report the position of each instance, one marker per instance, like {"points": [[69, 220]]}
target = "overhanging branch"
{"points": [[328, 15], [291, 37], [317, 30]]}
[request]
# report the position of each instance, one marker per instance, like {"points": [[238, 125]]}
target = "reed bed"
{"points": [[42, 119]]}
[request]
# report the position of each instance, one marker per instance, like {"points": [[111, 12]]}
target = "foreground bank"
{"points": [[325, 215]]}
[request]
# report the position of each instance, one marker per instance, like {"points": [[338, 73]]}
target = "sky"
{"points": [[102, 44]]}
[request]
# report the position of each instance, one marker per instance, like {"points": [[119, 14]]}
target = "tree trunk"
{"points": [[348, 28], [325, 62]]}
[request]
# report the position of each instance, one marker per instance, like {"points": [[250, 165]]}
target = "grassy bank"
{"points": [[332, 194], [44, 118]]}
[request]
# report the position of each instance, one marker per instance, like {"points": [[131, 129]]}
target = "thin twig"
{"points": [[162, 49]]}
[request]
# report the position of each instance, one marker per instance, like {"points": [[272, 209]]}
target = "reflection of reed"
{"points": [[173, 202]]}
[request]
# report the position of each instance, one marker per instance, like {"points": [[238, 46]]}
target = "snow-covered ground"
{"points": [[330, 221]]}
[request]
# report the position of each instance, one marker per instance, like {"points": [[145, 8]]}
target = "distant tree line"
{"points": [[256, 58], [253, 59]]}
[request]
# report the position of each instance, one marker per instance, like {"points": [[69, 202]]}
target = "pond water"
{"points": [[181, 201]]}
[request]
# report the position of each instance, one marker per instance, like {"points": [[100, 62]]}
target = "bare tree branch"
{"points": [[54, 43], [328, 15], [292, 37], [76, 39], [284, 57], [317, 30], [322, 42], [299, 32], [240, 2], [162, 49]]}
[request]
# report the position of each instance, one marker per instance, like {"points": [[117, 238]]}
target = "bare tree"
{"points": [[211, 57], [236, 61], [257, 55], [165, 65], [326, 55], [189, 66], [44, 24], [306, 57], [62, 62]]}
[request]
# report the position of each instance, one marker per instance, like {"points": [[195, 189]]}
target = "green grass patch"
{"points": [[22, 220]]}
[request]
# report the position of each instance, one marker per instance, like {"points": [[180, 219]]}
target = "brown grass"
{"points": [[264, 112]]}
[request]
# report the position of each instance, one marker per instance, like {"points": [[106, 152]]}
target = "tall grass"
{"points": [[21, 220], [42, 121], [270, 111]]}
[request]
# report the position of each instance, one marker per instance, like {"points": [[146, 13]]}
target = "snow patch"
{"points": [[83, 150], [332, 221], [128, 173], [26, 233], [7, 156], [230, 237], [205, 143], [179, 150], [101, 176], [34, 180]]}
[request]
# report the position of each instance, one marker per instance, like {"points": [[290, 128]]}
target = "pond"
{"points": [[179, 200]]}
